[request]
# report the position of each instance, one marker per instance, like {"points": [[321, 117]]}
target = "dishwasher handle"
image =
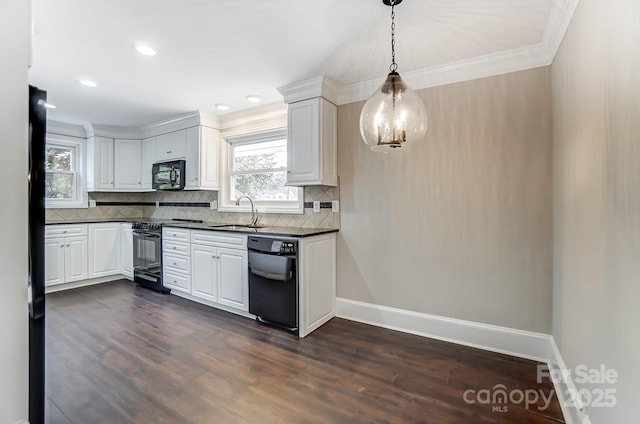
{"points": [[271, 276], [271, 267]]}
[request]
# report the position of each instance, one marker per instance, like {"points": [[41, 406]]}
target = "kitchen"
{"points": [[492, 214]]}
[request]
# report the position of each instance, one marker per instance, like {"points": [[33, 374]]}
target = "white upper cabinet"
{"points": [[148, 158], [100, 158], [202, 156], [171, 145], [311, 143], [128, 166], [114, 165], [312, 132]]}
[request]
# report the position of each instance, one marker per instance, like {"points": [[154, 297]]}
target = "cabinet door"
{"points": [[233, 286], [53, 261], [104, 242], [75, 258], [147, 160], [171, 145], [128, 154], [303, 140], [202, 165], [192, 165], [204, 272], [126, 250], [103, 164]]}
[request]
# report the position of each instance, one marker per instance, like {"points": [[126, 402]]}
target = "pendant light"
{"points": [[394, 117]]}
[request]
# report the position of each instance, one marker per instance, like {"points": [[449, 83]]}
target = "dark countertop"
{"points": [[94, 221], [296, 232]]}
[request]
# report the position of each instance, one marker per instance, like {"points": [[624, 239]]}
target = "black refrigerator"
{"points": [[36, 178]]}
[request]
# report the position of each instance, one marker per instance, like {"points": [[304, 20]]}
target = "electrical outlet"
{"points": [[335, 206], [213, 205], [92, 203], [316, 206]]}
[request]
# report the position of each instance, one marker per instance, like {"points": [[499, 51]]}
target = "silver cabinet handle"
{"points": [[68, 245], [169, 152], [62, 245], [64, 232]]}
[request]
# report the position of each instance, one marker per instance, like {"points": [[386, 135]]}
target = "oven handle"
{"points": [[146, 234]]}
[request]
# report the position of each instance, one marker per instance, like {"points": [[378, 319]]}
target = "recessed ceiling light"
{"points": [[254, 99], [145, 50], [88, 83], [222, 107]]}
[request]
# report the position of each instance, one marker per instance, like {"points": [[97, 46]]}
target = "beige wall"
{"points": [[462, 227], [596, 114], [14, 47]]}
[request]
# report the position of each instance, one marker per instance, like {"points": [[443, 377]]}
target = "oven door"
{"points": [[147, 255]]}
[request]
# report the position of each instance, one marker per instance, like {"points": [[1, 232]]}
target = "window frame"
{"points": [[224, 202], [79, 199]]}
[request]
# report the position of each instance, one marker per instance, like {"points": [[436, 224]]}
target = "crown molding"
{"points": [[111, 131], [64, 128], [315, 87], [180, 122], [534, 56]]}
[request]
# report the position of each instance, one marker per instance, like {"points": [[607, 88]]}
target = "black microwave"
{"points": [[168, 175]]}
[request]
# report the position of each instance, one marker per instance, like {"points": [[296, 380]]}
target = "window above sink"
{"points": [[255, 165]]}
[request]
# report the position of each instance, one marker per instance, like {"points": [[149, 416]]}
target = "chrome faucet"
{"points": [[254, 212]]}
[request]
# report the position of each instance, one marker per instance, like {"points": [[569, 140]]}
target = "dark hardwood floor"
{"points": [[117, 353]]}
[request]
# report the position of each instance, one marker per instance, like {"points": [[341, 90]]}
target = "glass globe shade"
{"points": [[394, 117]]}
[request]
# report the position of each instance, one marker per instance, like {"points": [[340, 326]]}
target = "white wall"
{"points": [[596, 118], [461, 227], [14, 50]]}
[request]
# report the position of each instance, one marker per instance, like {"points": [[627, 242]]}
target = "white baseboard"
{"points": [[572, 408], [85, 283], [524, 344]]}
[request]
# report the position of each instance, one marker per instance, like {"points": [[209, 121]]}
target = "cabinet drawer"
{"points": [[175, 234], [65, 230], [219, 238], [179, 282], [175, 248], [176, 263]]}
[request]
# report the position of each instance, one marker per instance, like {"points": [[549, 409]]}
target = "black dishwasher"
{"points": [[273, 281]]}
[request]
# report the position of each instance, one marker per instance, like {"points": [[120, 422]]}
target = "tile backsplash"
{"points": [[101, 212], [323, 219]]}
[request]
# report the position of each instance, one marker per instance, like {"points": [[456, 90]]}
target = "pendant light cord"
{"points": [[394, 66]]}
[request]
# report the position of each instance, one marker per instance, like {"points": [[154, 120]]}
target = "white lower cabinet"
{"points": [[204, 266], [233, 281], [104, 247], [65, 254], [217, 272], [126, 250], [176, 260], [219, 275]]}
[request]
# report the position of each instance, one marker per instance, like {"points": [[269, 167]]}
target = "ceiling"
{"points": [[215, 51]]}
